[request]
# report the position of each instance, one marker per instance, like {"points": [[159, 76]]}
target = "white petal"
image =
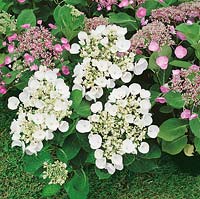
{"points": [[64, 126], [13, 103], [153, 131], [75, 48], [96, 107], [83, 126], [143, 148]]}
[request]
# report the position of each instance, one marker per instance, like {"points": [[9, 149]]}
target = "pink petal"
{"points": [[153, 46], [180, 52], [160, 100], [141, 12], [162, 62], [186, 114]]}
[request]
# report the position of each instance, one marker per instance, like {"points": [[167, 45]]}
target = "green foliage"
{"points": [[26, 17], [176, 146], [67, 23], [78, 186], [123, 20], [33, 163], [175, 99], [180, 64], [102, 174], [195, 127], [50, 190], [165, 51], [172, 129]]}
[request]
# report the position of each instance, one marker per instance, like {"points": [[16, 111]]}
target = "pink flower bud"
{"points": [[26, 26], [144, 22], [4, 43], [7, 60], [162, 62], [193, 116], [28, 58], [12, 38], [186, 114], [52, 26], [34, 67], [164, 89], [153, 46], [138, 51], [108, 8], [11, 48], [123, 3], [66, 47], [21, 1], [39, 22], [160, 100], [58, 48], [64, 40], [65, 70], [194, 68], [180, 52], [141, 12], [176, 72], [3, 89], [180, 35], [8, 75]]}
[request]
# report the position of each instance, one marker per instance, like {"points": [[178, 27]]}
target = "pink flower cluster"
{"points": [[92, 23], [38, 43], [187, 82], [175, 14], [156, 32], [108, 3]]}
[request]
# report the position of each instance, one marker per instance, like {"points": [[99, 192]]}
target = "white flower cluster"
{"points": [[106, 58], [43, 105], [56, 172], [121, 127]]}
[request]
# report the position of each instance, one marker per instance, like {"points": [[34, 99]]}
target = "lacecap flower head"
{"points": [[106, 58], [44, 106], [120, 126]]}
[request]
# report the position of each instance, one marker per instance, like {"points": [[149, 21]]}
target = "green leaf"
{"points": [[83, 109], [102, 174], [195, 126], [197, 144], [76, 97], [124, 20], [26, 17], [67, 23], [71, 146], [50, 190], [180, 64], [176, 146], [191, 31], [34, 162], [154, 152], [143, 165], [128, 159], [9, 80], [78, 186], [76, 2], [172, 129], [166, 109], [175, 99], [165, 51]]}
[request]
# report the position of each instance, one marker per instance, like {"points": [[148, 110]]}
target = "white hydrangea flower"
{"points": [[144, 147], [106, 59], [44, 104], [153, 131], [120, 127], [96, 107], [83, 126], [13, 103]]}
